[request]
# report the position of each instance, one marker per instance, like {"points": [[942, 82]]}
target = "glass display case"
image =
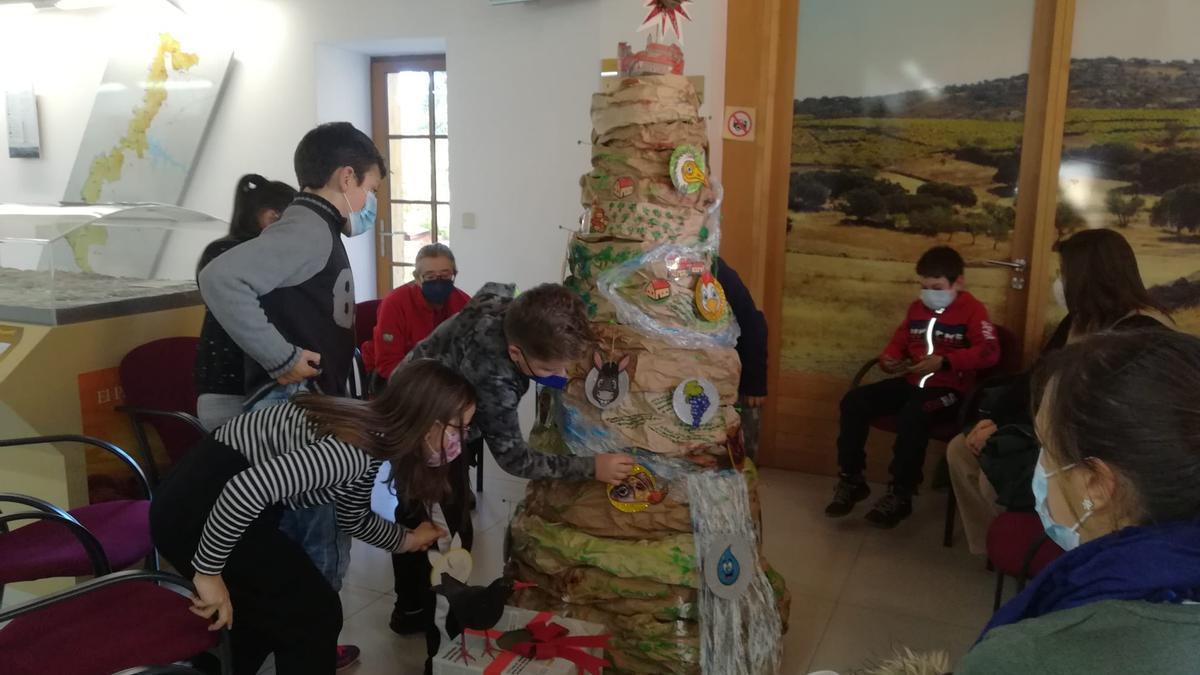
{"points": [[71, 263]]}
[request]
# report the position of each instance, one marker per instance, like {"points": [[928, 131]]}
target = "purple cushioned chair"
{"points": [[107, 625], [89, 540]]}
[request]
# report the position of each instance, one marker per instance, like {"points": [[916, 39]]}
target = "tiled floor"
{"points": [[857, 592]]}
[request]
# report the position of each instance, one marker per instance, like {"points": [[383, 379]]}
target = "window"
{"points": [[409, 106]]}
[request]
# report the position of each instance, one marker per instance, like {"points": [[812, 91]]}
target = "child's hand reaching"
{"points": [[423, 537], [612, 468]]}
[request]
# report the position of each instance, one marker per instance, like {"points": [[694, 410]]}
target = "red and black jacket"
{"points": [[961, 333]]}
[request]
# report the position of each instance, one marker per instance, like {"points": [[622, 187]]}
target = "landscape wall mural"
{"points": [[1131, 144], [907, 132]]}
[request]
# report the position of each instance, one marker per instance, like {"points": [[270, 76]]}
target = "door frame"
{"points": [[381, 66], [760, 73]]}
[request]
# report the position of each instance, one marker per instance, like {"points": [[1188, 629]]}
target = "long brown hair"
{"points": [[1101, 281], [393, 425]]}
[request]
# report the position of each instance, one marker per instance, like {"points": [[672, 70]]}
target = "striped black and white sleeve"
{"points": [[355, 517], [325, 463]]}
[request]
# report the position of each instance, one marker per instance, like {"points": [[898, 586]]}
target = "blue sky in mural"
{"points": [[871, 47]]}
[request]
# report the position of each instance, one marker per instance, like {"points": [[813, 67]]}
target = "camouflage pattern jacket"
{"points": [[474, 344]]}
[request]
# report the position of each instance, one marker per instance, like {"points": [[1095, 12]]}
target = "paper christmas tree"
{"points": [[670, 561]]}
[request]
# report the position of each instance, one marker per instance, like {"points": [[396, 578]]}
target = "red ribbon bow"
{"points": [[551, 641]]}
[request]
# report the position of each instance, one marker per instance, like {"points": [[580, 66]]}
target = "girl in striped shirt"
{"points": [[216, 515]]}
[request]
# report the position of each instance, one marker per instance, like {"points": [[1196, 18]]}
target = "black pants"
{"points": [[916, 410], [412, 570], [281, 603]]}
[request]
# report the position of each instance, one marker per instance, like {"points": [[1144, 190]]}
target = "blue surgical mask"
{"points": [[363, 220], [1066, 537], [551, 381], [938, 300]]}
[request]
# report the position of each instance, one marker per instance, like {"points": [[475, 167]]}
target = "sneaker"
{"points": [[850, 491], [347, 655], [889, 511], [409, 623]]}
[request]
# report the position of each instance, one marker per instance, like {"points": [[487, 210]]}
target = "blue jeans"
{"points": [[315, 528]]}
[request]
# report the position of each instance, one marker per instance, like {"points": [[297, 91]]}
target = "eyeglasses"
{"points": [[438, 276], [464, 430]]}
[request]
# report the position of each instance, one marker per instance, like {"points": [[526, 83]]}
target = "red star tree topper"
{"points": [[663, 11]]}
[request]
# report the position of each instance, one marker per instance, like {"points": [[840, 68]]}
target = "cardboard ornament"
{"points": [[456, 562], [710, 297], [695, 402], [689, 169], [729, 566], [608, 382], [637, 492], [658, 289]]}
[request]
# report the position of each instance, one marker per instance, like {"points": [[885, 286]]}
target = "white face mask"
{"points": [[1060, 293], [938, 300]]}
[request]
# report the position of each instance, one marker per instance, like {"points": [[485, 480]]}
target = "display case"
{"points": [[72, 263]]}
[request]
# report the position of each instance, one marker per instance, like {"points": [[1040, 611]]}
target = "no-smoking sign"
{"points": [[739, 123]]}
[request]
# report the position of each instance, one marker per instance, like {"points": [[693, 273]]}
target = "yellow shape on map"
{"points": [[106, 168]]}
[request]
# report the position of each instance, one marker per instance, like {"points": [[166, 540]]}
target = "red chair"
{"points": [[127, 620], [115, 534], [944, 432], [161, 393], [366, 315], [1018, 547]]}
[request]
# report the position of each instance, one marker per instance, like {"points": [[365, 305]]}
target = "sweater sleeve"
{"points": [[984, 349], [322, 464], [897, 347], [752, 344], [497, 418], [285, 254], [391, 338]]}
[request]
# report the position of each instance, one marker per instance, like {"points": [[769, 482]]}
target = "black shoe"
{"points": [[409, 623], [889, 511], [850, 490]]}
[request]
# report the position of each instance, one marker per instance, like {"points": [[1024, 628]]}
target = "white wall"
{"points": [[520, 82], [344, 94]]}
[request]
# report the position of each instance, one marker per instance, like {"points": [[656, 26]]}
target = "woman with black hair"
{"points": [[220, 366], [1117, 485]]}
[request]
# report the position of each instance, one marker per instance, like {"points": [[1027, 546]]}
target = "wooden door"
{"points": [[410, 126]]}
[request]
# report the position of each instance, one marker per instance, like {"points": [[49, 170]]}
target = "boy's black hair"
{"points": [[331, 146], [941, 261]]}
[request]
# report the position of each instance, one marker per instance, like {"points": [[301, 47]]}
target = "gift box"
{"points": [[568, 641]]}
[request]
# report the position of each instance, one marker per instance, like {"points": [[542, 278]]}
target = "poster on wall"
{"points": [[148, 120], [24, 139], [905, 136], [1131, 144]]}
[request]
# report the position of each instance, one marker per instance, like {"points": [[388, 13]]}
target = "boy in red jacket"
{"points": [[410, 313], [945, 339]]}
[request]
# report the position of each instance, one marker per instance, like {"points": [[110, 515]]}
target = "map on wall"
{"points": [[148, 119]]}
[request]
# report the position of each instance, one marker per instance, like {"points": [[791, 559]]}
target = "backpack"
{"points": [[1008, 459]]}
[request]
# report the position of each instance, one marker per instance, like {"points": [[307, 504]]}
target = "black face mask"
{"points": [[437, 291]]}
